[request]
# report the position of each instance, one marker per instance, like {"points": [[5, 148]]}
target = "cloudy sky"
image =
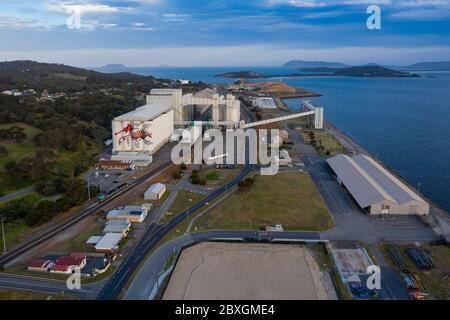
{"points": [[223, 32]]}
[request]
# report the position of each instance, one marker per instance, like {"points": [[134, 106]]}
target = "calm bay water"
{"points": [[405, 122]]}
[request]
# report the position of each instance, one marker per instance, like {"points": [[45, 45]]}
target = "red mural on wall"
{"points": [[131, 133]]}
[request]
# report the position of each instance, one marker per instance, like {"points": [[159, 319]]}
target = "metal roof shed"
{"points": [[109, 243], [374, 188]]}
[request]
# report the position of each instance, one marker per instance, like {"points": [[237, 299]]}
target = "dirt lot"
{"points": [[214, 271]]}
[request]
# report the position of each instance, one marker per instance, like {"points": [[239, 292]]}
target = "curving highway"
{"points": [[112, 289]]}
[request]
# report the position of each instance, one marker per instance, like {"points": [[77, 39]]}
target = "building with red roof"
{"points": [[67, 264], [40, 265]]}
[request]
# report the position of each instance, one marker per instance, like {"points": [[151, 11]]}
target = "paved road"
{"points": [[17, 194], [42, 285], [152, 236], [351, 223], [145, 279], [155, 233]]}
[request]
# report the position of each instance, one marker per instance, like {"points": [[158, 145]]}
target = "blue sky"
{"points": [[224, 32]]}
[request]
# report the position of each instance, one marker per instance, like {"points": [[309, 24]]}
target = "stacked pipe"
{"points": [[397, 257], [422, 258], [410, 281]]}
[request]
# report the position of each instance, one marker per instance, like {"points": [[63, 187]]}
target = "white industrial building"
{"points": [[124, 227], [374, 188], [155, 192], [264, 103], [138, 134], [131, 213], [223, 108], [109, 243]]}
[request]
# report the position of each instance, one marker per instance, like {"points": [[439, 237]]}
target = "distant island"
{"points": [[368, 71], [374, 72], [430, 66], [242, 74], [300, 64], [320, 69], [304, 65], [113, 66]]}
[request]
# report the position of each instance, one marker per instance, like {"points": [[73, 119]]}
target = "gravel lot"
{"points": [[213, 270]]}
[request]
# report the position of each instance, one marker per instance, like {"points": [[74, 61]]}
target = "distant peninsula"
{"points": [[374, 72], [114, 66], [299, 64], [368, 71], [242, 74]]}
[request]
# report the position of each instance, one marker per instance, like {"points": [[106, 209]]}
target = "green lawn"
{"points": [[18, 151], [26, 295], [12, 231], [290, 199], [326, 144], [78, 244], [15, 228], [216, 177], [183, 200]]}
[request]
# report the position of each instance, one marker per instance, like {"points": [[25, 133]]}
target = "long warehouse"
{"points": [[374, 188]]}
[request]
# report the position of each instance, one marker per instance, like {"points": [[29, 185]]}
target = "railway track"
{"points": [[54, 230]]}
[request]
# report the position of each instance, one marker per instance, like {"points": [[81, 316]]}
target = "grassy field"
{"points": [[25, 295], [78, 244], [290, 199], [326, 144], [18, 151], [436, 281], [215, 177], [183, 200], [15, 228]]}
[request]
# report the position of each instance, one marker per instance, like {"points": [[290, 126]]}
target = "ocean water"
{"points": [[404, 122]]}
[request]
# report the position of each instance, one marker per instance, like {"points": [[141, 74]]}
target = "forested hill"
{"points": [[58, 77], [51, 136]]}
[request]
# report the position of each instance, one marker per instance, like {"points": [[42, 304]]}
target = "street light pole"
{"points": [[4, 238], [173, 242], [89, 188], [188, 216]]}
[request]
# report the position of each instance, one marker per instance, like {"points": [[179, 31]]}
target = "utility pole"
{"points": [[173, 242], [4, 238], [188, 216], [418, 187], [89, 188]]}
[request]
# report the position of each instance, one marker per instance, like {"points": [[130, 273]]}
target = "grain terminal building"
{"points": [[138, 134], [375, 189]]}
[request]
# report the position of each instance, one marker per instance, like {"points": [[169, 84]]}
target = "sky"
{"points": [[146, 33]]}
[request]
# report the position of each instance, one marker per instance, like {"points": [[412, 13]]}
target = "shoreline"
{"points": [[279, 99], [438, 219]]}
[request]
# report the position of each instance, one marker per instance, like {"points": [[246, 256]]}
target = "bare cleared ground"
{"points": [[214, 271]]}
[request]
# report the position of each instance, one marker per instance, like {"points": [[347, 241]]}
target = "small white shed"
{"points": [[155, 192]]}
